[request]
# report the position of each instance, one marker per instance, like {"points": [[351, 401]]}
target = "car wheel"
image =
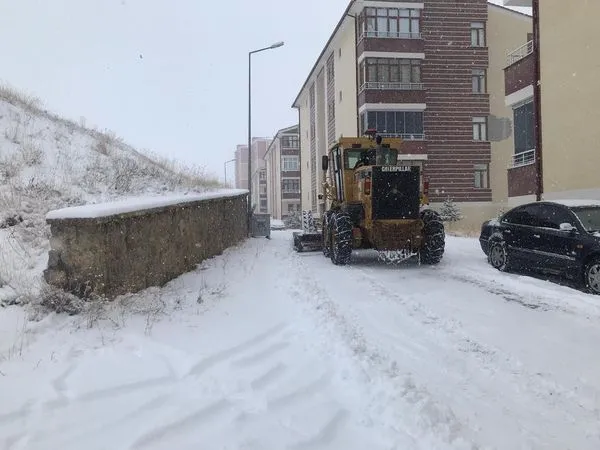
{"points": [[498, 256], [592, 276]]}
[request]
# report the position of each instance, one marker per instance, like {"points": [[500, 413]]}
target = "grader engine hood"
{"points": [[395, 192]]}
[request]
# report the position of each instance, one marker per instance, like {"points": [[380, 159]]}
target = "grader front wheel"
{"points": [[341, 238]]}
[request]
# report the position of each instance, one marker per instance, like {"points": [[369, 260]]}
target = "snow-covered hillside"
{"points": [[47, 162]]}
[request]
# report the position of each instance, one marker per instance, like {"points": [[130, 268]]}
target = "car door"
{"points": [[517, 230], [557, 250]]}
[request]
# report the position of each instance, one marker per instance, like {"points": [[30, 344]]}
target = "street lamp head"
{"points": [[277, 44]]}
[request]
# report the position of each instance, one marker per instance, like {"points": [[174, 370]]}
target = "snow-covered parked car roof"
{"points": [[575, 203]]}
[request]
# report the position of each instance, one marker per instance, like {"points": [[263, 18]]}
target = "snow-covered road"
{"points": [[263, 348]]}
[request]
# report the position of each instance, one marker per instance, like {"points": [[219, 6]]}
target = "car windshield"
{"points": [[589, 216]]}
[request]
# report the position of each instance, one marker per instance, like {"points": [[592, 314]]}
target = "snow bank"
{"points": [[129, 205]]}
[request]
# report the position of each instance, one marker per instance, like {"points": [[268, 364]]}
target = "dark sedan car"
{"points": [[556, 237]]}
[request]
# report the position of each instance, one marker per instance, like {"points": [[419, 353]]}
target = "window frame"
{"points": [[382, 22], [479, 81], [288, 186], [478, 34], [285, 166], [403, 118], [480, 129], [481, 174]]}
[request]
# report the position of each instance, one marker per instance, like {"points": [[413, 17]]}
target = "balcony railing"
{"points": [[405, 136], [397, 86], [524, 158], [519, 53], [389, 35]]}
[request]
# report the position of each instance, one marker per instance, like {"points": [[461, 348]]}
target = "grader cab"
{"points": [[374, 202]]}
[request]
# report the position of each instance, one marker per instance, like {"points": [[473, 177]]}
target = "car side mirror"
{"points": [[567, 227], [325, 163]]}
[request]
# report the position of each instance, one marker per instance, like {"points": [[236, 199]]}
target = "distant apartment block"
{"points": [[259, 174], [569, 94], [241, 167], [283, 173], [419, 70]]}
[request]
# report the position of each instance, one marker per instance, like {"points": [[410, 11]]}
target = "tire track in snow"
{"points": [[326, 435], [187, 423], [376, 364], [301, 393], [543, 392], [269, 377], [225, 355], [261, 355]]}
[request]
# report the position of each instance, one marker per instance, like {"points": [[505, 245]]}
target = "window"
{"points": [[479, 129], [589, 217], [293, 207], [477, 34], [389, 70], [330, 68], [482, 176], [263, 205], [552, 216], [524, 126], [340, 52], [290, 186], [390, 23], [479, 81], [405, 124], [331, 110], [341, 96], [290, 163], [290, 142], [263, 189], [525, 215], [263, 175]]}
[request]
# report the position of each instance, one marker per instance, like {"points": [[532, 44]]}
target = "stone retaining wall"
{"points": [[118, 248]]}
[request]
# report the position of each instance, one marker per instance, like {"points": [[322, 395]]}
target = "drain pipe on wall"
{"points": [[537, 93]]}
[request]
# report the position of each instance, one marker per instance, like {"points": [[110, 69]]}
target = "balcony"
{"points": [[523, 158], [374, 93], [391, 86], [519, 53], [389, 35], [385, 41], [519, 73], [522, 176]]}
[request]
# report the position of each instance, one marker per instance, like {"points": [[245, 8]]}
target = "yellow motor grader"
{"points": [[373, 202]]}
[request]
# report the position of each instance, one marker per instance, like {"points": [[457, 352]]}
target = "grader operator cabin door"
{"points": [[338, 174]]}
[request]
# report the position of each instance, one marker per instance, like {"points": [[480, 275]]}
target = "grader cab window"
{"points": [[369, 157], [352, 157]]}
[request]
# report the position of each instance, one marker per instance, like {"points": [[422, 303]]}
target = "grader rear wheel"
{"points": [[435, 238]]}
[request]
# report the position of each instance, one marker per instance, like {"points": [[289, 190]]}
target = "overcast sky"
{"points": [[166, 75]]}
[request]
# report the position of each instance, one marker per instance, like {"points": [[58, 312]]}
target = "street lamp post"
{"points": [[225, 168], [275, 45]]}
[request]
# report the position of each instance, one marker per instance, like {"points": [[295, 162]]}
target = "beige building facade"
{"points": [[569, 94], [458, 127]]}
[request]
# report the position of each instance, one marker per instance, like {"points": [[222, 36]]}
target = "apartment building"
{"points": [[259, 174], [241, 167], [419, 70], [283, 173], [568, 97]]}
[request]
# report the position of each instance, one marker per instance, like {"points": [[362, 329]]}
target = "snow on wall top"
{"points": [[94, 211]]}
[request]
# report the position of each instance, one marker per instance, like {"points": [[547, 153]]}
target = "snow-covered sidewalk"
{"points": [[263, 348]]}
